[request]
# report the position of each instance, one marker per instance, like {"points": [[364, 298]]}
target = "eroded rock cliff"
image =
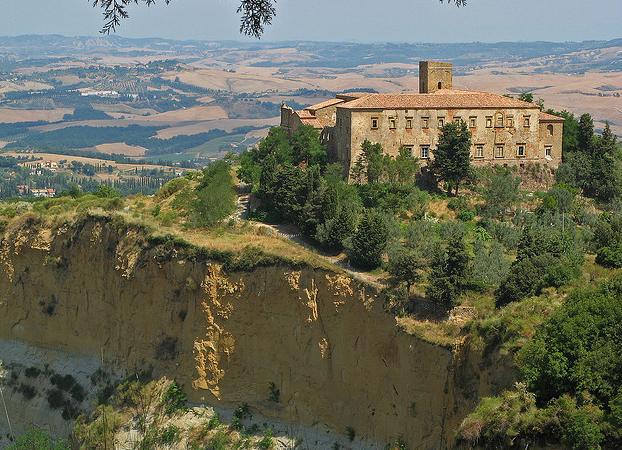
{"points": [[96, 287]]}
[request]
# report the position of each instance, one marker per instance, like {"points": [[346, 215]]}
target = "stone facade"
{"points": [[504, 130]]}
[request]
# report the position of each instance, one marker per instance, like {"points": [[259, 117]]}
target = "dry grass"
{"points": [[8, 115]]}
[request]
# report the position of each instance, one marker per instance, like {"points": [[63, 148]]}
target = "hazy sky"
{"points": [[333, 20]]}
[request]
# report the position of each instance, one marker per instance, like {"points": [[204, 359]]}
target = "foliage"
{"points": [[498, 422], [369, 240], [543, 259], [405, 265], [501, 191], [174, 399], [35, 439], [215, 195], [97, 431], [351, 433], [610, 257], [451, 272], [580, 347], [452, 157], [266, 442], [275, 393], [591, 162], [490, 265]]}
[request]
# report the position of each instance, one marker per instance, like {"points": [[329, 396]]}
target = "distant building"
{"points": [[43, 192], [99, 94], [41, 165], [504, 130]]}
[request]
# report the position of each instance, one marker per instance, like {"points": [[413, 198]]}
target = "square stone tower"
{"points": [[434, 75]]}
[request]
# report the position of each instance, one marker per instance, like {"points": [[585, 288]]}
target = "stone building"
{"points": [[504, 130]]}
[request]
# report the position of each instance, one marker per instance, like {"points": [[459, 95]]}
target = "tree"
{"points": [[215, 194], [307, 147], [370, 240], [452, 157], [406, 166], [371, 161], [501, 191], [255, 13], [450, 272], [405, 265]]}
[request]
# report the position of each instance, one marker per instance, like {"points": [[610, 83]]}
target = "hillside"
{"points": [[226, 331]]}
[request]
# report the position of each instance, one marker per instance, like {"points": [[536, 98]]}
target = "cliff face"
{"points": [[92, 288]]}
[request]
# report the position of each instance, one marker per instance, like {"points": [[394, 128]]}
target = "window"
{"points": [[520, 151], [425, 122], [409, 122], [479, 151], [472, 121], [488, 121], [441, 121], [408, 150], [526, 121], [549, 129], [510, 121], [499, 121], [425, 150], [499, 151], [547, 150], [457, 119], [392, 123]]}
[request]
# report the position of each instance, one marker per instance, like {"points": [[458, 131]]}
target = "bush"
{"points": [[174, 399], [169, 435], [466, 215], [266, 442], [610, 257], [32, 372], [27, 391], [36, 439], [214, 422]]}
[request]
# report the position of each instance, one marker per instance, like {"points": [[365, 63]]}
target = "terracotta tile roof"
{"points": [[315, 123], [331, 102], [352, 95], [305, 114], [544, 117], [443, 98]]}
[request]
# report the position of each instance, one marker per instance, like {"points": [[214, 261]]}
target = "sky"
{"points": [[332, 20]]}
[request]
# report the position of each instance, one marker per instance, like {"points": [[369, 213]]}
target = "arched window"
{"points": [[549, 129], [439, 85]]}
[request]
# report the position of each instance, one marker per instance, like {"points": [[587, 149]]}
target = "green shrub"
{"points": [[169, 435], [32, 372], [351, 433], [27, 391], [266, 442], [214, 422], [219, 441], [36, 439], [466, 215], [275, 394], [610, 257], [174, 399], [55, 398]]}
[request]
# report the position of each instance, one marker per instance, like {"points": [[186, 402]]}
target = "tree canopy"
{"points": [[452, 157], [255, 14]]}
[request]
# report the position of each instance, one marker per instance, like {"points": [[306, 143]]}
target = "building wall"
{"points": [[431, 73], [493, 128], [553, 139], [327, 115]]}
